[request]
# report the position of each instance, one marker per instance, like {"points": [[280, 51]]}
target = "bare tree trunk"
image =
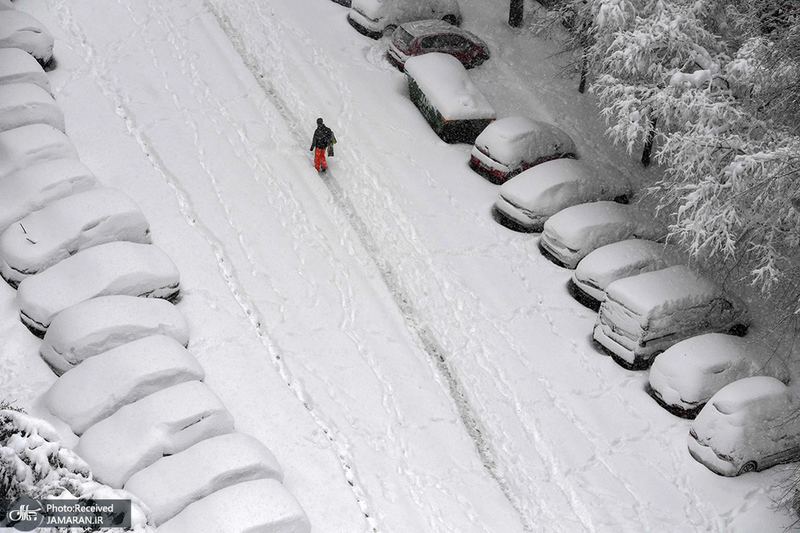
{"points": [[648, 142], [515, 13], [584, 68]]}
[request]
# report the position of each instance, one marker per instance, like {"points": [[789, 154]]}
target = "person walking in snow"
{"points": [[323, 140]]}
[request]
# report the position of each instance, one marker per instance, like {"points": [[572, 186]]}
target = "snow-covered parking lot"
{"points": [[413, 365]]}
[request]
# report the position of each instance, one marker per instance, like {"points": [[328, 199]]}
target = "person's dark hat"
{"points": [[319, 121]]}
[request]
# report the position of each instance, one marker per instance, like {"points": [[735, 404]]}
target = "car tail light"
{"points": [[693, 433], [725, 457]]}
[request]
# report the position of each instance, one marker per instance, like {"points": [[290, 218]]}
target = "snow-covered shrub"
{"points": [[34, 463]]}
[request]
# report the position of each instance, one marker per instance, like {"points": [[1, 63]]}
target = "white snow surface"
{"points": [[100, 324], [18, 66], [35, 186], [402, 355], [173, 482], [22, 104], [100, 386], [448, 87], [67, 226], [163, 423]]}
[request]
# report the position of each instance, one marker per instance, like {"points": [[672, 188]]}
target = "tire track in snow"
{"points": [[421, 332]]}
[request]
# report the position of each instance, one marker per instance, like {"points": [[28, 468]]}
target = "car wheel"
{"points": [[749, 466], [740, 330], [451, 19], [389, 30], [622, 199]]}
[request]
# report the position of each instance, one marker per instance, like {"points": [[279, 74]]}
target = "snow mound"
{"points": [[448, 87], [67, 226], [28, 145], [171, 483], [23, 104], [112, 268], [18, 66], [103, 384], [6, 4], [21, 30], [32, 188], [164, 423], [262, 505], [101, 324]]}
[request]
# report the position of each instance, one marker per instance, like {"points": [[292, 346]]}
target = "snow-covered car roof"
{"points": [[512, 140], [18, 66], [22, 104], [626, 258], [692, 370], [659, 291], [600, 223], [103, 323], [111, 268], [28, 145], [447, 85], [18, 29], [68, 225], [35, 186], [554, 185]]}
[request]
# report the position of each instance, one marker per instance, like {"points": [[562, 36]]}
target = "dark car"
{"points": [[426, 36]]}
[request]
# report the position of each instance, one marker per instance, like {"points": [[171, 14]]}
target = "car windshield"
{"points": [[402, 38]]}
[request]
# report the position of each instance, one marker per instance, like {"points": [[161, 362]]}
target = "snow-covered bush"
{"points": [[34, 463]]}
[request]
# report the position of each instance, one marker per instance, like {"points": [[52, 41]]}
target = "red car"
{"points": [[425, 36]]}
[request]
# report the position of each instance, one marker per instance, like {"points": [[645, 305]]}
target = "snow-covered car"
{"points": [[282, 513], [643, 315], [140, 433], [375, 18], [22, 104], [21, 30], [440, 87], [28, 145], [101, 385], [525, 202], [574, 232], [427, 36], [687, 374], [18, 66], [616, 261], [112, 268], [37, 185], [512, 144], [175, 481], [103, 323], [747, 426], [67, 226]]}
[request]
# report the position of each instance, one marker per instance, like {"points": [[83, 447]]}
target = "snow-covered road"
{"points": [[414, 366]]}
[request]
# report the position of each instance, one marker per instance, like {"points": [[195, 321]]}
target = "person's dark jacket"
{"points": [[323, 136]]}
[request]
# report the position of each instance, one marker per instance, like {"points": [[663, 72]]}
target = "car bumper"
{"points": [[705, 455], [515, 218], [489, 168], [559, 254], [680, 409], [364, 26], [589, 292]]}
